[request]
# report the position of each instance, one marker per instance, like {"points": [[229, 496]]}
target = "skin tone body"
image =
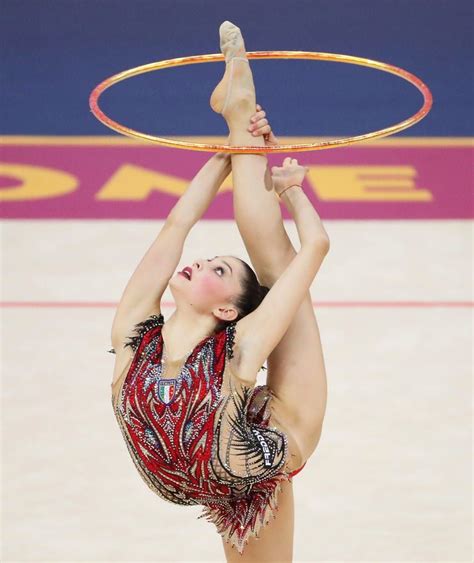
{"points": [[283, 329]]}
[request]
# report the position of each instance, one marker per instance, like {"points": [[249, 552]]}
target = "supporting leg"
{"points": [[275, 541]]}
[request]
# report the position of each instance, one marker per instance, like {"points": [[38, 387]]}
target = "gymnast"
{"points": [[198, 429]]}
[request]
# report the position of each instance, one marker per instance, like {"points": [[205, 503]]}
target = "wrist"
{"points": [[222, 156], [285, 190]]}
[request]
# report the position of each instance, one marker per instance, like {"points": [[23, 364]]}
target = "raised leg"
{"points": [[296, 371]]}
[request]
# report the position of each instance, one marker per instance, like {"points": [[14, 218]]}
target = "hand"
{"points": [[289, 174], [260, 126]]}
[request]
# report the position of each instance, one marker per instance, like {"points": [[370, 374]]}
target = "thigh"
{"points": [[296, 371], [275, 541], [297, 378]]}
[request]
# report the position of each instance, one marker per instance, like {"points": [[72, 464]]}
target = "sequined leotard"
{"points": [[202, 438]]}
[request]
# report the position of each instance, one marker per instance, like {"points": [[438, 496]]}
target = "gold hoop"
{"points": [[197, 59]]}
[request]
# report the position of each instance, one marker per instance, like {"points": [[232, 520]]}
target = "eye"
{"points": [[218, 267]]}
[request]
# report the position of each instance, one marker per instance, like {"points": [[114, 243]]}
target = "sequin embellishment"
{"points": [[196, 443]]}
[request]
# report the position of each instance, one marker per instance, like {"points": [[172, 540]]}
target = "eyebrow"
{"points": [[226, 263]]}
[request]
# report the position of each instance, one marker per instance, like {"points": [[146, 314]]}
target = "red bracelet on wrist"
{"points": [[292, 185]]}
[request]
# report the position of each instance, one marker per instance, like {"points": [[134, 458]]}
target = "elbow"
{"points": [[325, 243], [320, 244], [178, 220]]}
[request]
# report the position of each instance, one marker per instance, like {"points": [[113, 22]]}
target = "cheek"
{"points": [[209, 287]]}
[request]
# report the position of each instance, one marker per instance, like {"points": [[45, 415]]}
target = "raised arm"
{"points": [[142, 295], [143, 292], [257, 334]]}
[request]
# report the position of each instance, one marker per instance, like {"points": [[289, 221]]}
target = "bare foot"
{"points": [[236, 87]]}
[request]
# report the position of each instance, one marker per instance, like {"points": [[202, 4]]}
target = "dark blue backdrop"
{"points": [[55, 51]]}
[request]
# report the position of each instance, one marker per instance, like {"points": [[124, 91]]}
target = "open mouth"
{"points": [[186, 272]]}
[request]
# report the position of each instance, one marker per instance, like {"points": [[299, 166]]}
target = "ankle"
{"points": [[230, 58]]}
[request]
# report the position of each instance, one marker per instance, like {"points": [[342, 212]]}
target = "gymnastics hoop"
{"points": [[212, 58]]}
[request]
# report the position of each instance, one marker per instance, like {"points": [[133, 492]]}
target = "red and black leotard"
{"points": [[202, 437]]}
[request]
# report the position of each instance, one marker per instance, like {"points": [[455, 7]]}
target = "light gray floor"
{"points": [[391, 477]]}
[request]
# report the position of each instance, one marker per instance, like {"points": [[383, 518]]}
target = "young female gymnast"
{"points": [[196, 426]]}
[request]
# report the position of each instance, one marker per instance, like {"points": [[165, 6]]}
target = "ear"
{"points": [[228, 313]]}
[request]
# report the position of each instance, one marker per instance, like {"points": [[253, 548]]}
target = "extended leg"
{"points": [[296, 365], [255, 204], [296, 370]]}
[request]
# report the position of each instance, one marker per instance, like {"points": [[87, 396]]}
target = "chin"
{"points": [[176, 286], [178, 282], [182, 294]]}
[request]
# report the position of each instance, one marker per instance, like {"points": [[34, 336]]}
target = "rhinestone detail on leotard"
{"points": [[202, 445]]}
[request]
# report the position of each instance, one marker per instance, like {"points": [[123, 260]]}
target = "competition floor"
{"points": [[391, 476]]}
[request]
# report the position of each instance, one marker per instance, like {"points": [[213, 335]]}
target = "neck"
{"points": [[184, 330]]}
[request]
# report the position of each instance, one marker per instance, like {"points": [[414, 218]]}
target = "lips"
{"points": [[187, 272]]}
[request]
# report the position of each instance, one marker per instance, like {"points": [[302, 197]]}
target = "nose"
{"points": [[199, 264]]}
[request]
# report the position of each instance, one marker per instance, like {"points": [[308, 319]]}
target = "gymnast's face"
{"points": [[210, 285]]}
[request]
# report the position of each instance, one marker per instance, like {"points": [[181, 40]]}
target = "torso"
{"points": [[204, 439], [124, 357], [209, 397], [123, 360]]}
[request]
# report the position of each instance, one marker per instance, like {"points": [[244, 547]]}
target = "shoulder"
{"points": [[140, 330], [235, 356], [238, 352], [224, 342]]}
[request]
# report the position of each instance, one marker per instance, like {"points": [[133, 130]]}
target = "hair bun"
{"points": [[263, 291]]}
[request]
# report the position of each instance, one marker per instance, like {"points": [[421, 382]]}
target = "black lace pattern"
{"points": [[141, 329], [230, 337]]}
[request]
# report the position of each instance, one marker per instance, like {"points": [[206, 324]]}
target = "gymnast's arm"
{"points": [[142, 295], [258, 333]]}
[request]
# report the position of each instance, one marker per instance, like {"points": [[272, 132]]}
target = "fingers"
{"points": [[288, 161], [261, 122], [257, 115], [265, 130], [260, 126]]}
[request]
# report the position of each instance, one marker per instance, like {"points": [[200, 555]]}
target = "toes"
{"points": [[229, 31], [230, 36], [226, 26], [227, 23]]}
